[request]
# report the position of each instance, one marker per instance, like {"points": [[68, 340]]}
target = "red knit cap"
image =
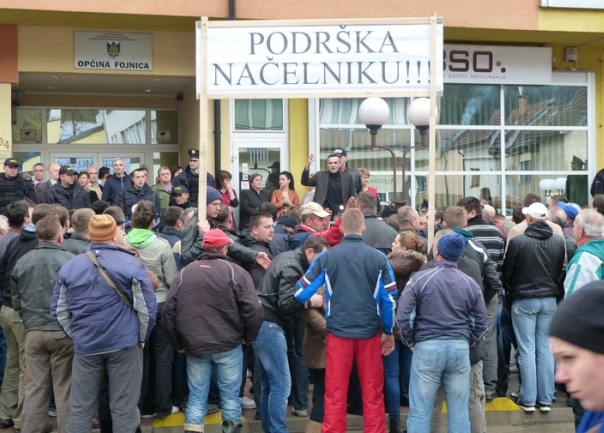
{"points": [[215, 238]]}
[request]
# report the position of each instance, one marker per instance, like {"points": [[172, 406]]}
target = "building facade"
{"points": [[118, 79]]}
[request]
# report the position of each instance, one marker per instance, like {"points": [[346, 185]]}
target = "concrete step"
{"points": [[502, 416]]}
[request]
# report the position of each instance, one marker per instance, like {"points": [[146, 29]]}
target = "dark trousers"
{"points": [[158, 357], [317, 378]]}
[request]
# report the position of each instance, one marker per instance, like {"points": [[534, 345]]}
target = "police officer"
{"points": [[189, 178], [14, 186]]}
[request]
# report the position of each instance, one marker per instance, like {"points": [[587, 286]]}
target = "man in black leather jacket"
{"points": [[532, 269]]}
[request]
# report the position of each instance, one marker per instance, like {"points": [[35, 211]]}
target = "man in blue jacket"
{"points": [[441, 314], [360, 319], [108, 325]]}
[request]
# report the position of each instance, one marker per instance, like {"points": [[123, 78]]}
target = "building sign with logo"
{"points": [[113, 51], [484, 64], [310, 58]]}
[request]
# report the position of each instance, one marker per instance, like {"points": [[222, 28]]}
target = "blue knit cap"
{"points": [[212, 194], [451, 247]]}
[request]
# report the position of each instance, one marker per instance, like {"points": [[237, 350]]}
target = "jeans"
{"points": [[505, 339], [476, 403], [531, 319], [490, 360], [439, 362], [227, 367], [271, 353], [392, 388]]}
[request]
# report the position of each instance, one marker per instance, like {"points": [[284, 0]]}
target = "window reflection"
{"points": [[490, 139]]}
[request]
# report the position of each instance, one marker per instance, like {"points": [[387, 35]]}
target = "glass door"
{"points": [[78, 161], [131, 160], [266, 157]]}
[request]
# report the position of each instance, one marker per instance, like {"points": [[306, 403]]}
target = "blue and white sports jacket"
{"points": [[359, 284]]}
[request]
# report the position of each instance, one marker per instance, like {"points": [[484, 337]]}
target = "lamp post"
{"points": [[374, 112], [418, 114]]}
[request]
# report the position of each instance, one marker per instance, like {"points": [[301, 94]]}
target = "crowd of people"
{"points": [[118, 302]]}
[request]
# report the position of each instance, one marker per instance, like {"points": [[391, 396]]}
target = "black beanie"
{"points": [[579, 319]]}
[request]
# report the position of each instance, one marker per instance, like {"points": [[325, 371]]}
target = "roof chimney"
{"points": [[522, 105]]}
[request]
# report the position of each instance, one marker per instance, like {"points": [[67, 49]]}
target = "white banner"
{"points": [[113, 51], [484, 64], [316, 60]]}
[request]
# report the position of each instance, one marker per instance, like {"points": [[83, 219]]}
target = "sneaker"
{"points": [[300, 412], [546, 408], [149, 415], [526, 408], [515, 397], [247, 403], [52, 413], [162, 415]]}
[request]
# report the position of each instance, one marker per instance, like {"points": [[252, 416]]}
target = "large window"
{"points": [[492, 141], [95, 126], [259, 115]]}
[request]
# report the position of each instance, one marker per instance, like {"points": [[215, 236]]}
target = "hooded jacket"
{"points": [[586, 265], [17, 248], [156, 254], [533, 263]]}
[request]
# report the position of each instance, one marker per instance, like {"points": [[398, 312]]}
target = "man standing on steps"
{"points": [[189, 178], [441, 314], [116, 183], [360, 321], [210, 310]]}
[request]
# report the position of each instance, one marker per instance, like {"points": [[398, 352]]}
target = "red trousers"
{"points": [[339, 356]]}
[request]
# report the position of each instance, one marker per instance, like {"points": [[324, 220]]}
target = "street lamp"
{"points": [[374, 112]]}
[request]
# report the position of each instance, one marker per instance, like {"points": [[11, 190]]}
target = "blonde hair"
{"points": [[411, 241]]}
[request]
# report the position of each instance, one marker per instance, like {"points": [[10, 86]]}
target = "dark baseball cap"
{"points": [[180, 189], [12, 162], [340, 152], [66, 169]]}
